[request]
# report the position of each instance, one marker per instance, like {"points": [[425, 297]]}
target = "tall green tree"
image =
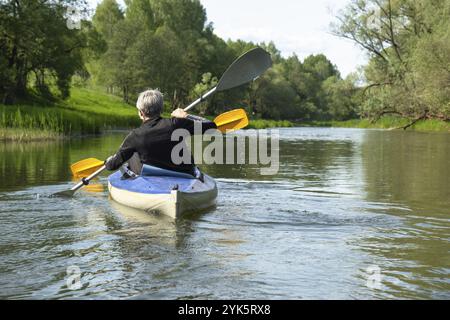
{"points": [[116, 69], [408, 72], [157, 59], [341, 97], [106, 16], [105, 22], [35, 41], [160, 43]]}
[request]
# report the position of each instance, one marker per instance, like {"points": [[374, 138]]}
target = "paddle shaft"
{"points": [[201, 99]]}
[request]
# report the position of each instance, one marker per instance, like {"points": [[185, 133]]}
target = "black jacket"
{"points": [[152, 141]]}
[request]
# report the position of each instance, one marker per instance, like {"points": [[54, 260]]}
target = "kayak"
{"points": [[170, 196]]}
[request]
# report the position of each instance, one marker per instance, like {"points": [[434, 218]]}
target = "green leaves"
{"points": [[36, 41], [408, 42], [165, 44]]}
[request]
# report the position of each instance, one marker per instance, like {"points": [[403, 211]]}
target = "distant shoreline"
{"points": [[386, 123], [30, 135], [92, 112]]}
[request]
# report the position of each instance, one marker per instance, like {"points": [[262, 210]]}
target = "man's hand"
{"points": [[109, 159], [179, 113], [107, 163]]}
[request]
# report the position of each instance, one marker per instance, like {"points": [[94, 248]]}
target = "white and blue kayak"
{"points": [[172, 196]]}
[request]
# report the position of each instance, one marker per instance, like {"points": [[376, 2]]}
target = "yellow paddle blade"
{"points": [[231, 121], [86, 167], [91, 187]]}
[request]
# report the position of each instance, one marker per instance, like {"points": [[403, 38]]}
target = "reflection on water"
{"points": [[343, 200], [94, 186], [413, 173], [32, 164]]}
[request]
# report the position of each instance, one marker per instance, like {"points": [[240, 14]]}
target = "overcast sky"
{"points": [[295, 26]]}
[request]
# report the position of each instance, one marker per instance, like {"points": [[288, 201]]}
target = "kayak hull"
{"points": [[170, 196]]}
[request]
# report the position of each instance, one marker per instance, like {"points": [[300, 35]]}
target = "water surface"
{"points": [[344, 200]]}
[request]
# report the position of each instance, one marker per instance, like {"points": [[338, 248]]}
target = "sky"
{"points": [[295, 26]]}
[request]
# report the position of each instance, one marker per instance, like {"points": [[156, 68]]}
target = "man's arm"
{"points": [[183, 120], [124, 154]]}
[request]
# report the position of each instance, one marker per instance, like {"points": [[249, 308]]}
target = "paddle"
{"points": [[86, 167], [231, 121], [226, 122], [246, 68], [82, 183]]}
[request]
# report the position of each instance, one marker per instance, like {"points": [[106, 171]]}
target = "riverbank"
{"points": [[85, 112], [265, 124], [388, 123], [90, 111]]}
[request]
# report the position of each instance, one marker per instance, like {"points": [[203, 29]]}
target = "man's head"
{"points": [[150, 104]]}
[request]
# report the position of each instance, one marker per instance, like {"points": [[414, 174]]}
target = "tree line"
{"points": [[169, 44]]}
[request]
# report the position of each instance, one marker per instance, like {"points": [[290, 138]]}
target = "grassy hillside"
{"points": [[85, 112]]}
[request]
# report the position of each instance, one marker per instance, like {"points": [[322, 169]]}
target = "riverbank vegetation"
{"points": [[51, 56], [408, 74], [85, 112], [386, 122]]}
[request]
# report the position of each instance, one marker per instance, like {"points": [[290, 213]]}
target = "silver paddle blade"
{"points": [[246, 68]]}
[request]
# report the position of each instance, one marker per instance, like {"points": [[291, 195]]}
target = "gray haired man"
{"points": [[151, 143]]}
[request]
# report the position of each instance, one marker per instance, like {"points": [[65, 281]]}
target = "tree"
{"points": [[184, 17], [340, 97], [430, 58], [142, 13], [35, 40], [156, 59], [406, 43], [208, 82], [106, 16], [307, 78], [115, 67]]}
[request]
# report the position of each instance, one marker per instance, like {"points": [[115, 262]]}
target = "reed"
{"points": [[86, 112]]}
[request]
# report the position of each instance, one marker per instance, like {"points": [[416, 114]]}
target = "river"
{"points": [[351, 214]]}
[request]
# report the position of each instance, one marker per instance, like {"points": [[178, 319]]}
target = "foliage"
{"points": [[37, 47], [167, 44], [409, 69], [170, 45]]}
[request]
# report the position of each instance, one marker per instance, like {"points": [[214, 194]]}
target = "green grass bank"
{"points": [[85, 112]]}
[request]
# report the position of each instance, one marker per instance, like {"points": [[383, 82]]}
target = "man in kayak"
{"points": [[151, 144]]}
